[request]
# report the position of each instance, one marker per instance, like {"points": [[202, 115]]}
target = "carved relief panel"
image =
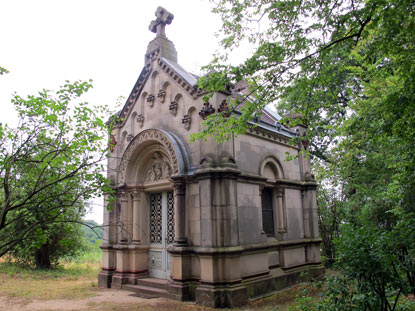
{"points": [[158, 168]]}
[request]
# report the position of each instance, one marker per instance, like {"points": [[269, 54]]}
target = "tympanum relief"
{"points": [[158, 168]]}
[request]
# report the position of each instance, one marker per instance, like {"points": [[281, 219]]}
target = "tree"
{"points": [[50, 164], [348, 68], [3, 70]]}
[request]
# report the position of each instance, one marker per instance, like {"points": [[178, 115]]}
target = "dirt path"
{"points": [[105, 300]]}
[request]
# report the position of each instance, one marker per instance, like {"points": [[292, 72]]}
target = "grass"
{"points": [[74, 280]]}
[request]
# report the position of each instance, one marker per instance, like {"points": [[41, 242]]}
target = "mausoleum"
{"points": [[215, 223]]}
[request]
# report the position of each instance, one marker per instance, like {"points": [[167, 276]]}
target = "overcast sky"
{"points": [[45, 42]]}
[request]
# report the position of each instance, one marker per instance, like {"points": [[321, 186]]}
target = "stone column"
{"points": [[260, 211], [136, 216], [180, 213], [280, 210], [123, 217]]}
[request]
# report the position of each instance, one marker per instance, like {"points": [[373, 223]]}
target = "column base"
{"points": [[181, 291], [105, 278], [119, 279], [221, 296]]}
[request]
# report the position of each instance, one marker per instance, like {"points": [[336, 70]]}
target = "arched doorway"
{"points": [[151, 166]]}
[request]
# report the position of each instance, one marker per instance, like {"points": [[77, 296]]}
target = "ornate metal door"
{"points": [[161, 233]]}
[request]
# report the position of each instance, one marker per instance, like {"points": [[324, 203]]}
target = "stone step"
{"points": [[145, 291], [152, 282]]}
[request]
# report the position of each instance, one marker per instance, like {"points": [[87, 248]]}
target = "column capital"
{"points": [[137, 195], [124, 195], [279, 192], [180, 187]]}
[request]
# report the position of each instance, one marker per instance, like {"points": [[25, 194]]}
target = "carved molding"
{"points": [[187, 121], [180, 187], [206, 111], [137, 195], [224, 109], [130, 137], [112, 143], [140, 120], [124, 196], [173, 108], [279, 192], [162, 95], [145, 73], [148, 135], [158, 168], [193, 90], [150, 100]]}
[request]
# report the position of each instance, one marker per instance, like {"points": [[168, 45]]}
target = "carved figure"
{"points": [[159, 168]]}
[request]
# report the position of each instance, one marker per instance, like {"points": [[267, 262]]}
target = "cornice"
{"points": [[135, 93], [272, 136], [192, 90]]}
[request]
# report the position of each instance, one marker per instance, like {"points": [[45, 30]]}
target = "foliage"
{"points": [[348, 69], [92, 231], [50, 164], [3, 70], [331, 211], [367, 261], [47, 246]]}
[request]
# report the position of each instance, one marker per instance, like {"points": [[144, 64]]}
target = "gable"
{"points": [[154, 82]]}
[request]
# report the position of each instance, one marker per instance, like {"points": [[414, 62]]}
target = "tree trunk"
{"points": [[42, 257]]}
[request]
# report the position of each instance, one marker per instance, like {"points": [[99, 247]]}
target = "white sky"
{"points": [[45, 42]]}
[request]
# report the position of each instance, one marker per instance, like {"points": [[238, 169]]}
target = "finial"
{"points": [[164, 18]]}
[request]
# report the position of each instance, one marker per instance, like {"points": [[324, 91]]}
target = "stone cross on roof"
{"points": [[164, 18]]}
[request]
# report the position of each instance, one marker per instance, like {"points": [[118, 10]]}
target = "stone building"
{"points": [[214, 223]]}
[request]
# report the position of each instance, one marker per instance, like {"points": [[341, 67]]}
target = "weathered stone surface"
{"points": [[210, 195]]}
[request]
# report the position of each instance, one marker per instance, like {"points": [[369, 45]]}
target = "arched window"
{"points": [[268, 212], [272, 198]]}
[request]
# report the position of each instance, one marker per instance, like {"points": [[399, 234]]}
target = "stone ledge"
{"points": [[243, 248]]}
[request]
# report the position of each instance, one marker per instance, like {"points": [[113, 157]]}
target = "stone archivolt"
{"points": [[145, 136]]}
